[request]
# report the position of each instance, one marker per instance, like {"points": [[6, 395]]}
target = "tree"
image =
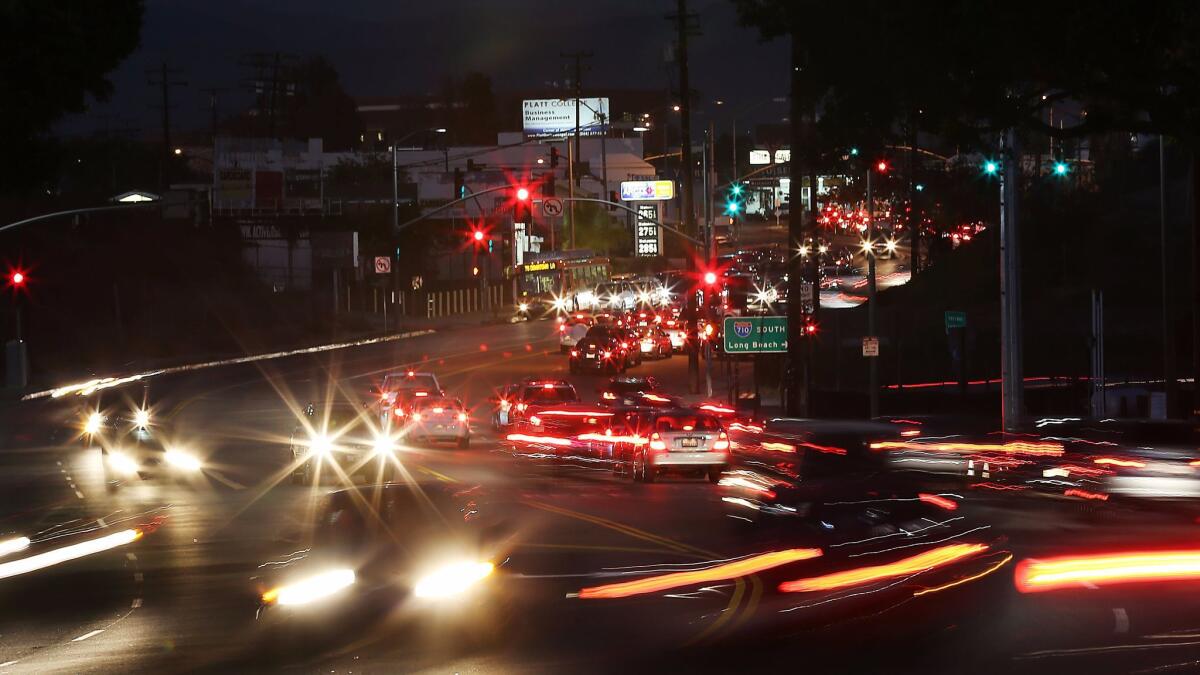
{"points": [[53, 58], [322, 108]]}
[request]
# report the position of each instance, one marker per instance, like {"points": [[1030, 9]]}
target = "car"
{"points": [[401, 388], [571, 330], [600, 350], [630, 345], [433, 420], [516, 402], [677, 333], [335, 440], [619, 387], [428, 550], [136, 445], [656, 343], [676, 440]]}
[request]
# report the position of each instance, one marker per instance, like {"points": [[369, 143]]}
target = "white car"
{"points": [[677, 441], [571, 330], [677, 332], [439, 420]]}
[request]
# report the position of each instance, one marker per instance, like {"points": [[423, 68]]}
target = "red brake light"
{"points": [[938, 500], [722, 442], [562, 327], [462, 417], [416, 417], [421, 394], [574, 352], [548, 385], [398, 412], [656, 442], [411, 373]]}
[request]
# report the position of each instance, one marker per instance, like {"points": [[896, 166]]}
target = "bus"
{"points": [[561, 280]]}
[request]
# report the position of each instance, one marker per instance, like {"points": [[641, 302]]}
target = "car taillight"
{"points": [[416, 417], [574, 352], [606, 354], [521, 407], [608, 396], [462, 417], [535, 421], [722, 442], [562, 327], [656, 442]]}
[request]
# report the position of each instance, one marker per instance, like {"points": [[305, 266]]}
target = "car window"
{"points": [[445, 403], [686, 423], [599, 332], [553, 395], [420, 382]]}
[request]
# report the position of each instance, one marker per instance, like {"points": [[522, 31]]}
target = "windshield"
{"points": [[539, 394], [407, 383], [686, 423]]}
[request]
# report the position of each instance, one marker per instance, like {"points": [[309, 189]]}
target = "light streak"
{"points": [[921, 562], [1015, 447], [547, 440], [67, 553], [965, 580], [938, 500], [1076, 492], [1114, 461], [724, 572], [1034, 575]]}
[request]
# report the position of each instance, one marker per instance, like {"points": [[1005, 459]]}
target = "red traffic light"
{"points": [[882, 166], [522, 194], [810, 328], [710, 278], [478, 235], [16, 278]]}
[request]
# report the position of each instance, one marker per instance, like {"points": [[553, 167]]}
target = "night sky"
{"points": [[383, 48]]}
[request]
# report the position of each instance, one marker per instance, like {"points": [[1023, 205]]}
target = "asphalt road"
{"points": [[181, 598]]}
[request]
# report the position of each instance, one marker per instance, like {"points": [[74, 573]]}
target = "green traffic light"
{"points": [[1061, 168], [919, 187], [732, 208], [854, 152], [736, 190], [991, 168]]}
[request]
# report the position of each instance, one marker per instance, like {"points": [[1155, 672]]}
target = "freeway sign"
{"points": [[870, 346], [956, 320], [755, 334]]}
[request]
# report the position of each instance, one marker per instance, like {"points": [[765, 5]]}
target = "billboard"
{"points": [[647, 190], [760, 156], [555, 117]]}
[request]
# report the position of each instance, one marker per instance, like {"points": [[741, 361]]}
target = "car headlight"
{"points": [[451, 580], [93, 424], [560, 304], [384, 445], [311, 589], [141, 418], [181, 459], [122, 462], [320, 444], [523, 307]]}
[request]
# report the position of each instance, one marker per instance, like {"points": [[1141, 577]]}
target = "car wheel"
{"points": [[464, 442], [714, 475]]}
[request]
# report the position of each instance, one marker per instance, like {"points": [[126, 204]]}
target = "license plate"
{"points": [[689, 442], [591, 356]]}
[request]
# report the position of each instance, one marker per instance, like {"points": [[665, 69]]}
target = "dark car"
{"points": [[337, 441], [625, 386], [410, 548], [600, 351], [516, 402]]}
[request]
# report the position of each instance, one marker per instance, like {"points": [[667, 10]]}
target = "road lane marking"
{"points": [[438, 475], [79, 494], [101, 522], [137, 602], [85, 636], [131, 557], [1121, 619], [137, 576], [9, 663], [228, 482]]}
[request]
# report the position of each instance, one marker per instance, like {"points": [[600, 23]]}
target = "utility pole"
{"points": [[271, 82], [681, 17], [163, 78], [872, 361], [797, 396], [577, 90], [1011, 366], [1170, 386], [214, 118], [914, 221]]}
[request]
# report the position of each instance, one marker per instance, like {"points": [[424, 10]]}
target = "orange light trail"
{"points": [[1033, 575], [724, 572], [1129, 463], [938, 500], [1015, 447], [548, 440], [919, 563], [1076, 492]]}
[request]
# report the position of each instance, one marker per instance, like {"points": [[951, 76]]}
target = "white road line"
{"points": [[72, 485], [130, 556], [101, 522], [79, 494], [8, 663], [68, 476], [58, 463], [1121, 620], [137, 576], [85, 636], [137, 602], [228, 482]]}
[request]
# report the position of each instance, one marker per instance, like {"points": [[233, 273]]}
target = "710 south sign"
{"points": [[755, 334]]}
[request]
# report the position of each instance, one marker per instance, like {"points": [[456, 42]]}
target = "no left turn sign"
{"points": [[383, 265], [552, 207]]}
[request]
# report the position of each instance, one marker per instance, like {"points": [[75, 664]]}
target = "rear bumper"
{"points": [[689, 459], [594, 364]]}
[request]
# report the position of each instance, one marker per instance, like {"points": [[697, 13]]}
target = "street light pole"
{"points": [[872, 361], [1169, 385], [1011, 381]]}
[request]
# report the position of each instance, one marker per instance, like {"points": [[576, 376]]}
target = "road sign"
{"points": [[552, 207], [417, 282], [755, 334], [956, 320], [383, 264], [870, 346]]}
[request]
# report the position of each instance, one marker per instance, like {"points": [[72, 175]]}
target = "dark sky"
{"points": [[404, 46]]}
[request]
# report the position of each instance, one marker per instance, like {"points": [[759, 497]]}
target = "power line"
{"points": [[165, 80]]}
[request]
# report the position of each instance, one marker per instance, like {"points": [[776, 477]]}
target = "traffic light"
{"points": [[16, 279], [991, 167], [522, 213], [736, 190], [553, 156], [1061, 168], [460, 186], [710, 278], [478, 235], [548, 184], [733, 201], [881, 166], [854, 152], [810, 327], [919, 187]]}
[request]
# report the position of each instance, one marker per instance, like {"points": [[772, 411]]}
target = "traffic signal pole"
{"points": [[688, 220], [1011, 379], [872, 361]]}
